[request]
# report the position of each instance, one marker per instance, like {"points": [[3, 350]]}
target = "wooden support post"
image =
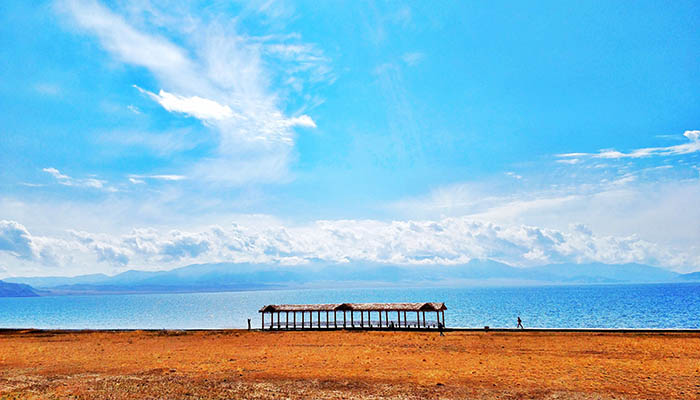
{"points": [[417, 319], [437, 315], [295, 319], [311, 319], [328, 323], [335, 319], [302, 320], [405, 321], [380, 318], [344, 318], [286, 324], [444, 325], [424, 325], [362, 319], [386, 314], [319, 319], [262, 324], [398, 318], [352, 319]]}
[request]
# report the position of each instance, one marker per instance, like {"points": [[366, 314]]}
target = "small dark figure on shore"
{"points": [[520, 323], [248, 323], [440, 327]]}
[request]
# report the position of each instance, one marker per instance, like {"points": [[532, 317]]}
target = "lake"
{"points": [[590, 306]]}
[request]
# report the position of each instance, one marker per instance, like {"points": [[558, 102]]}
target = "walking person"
{"points": [[520, 323], [440, 327]]}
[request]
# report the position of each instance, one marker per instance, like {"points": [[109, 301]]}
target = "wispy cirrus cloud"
{"points": [[138, 179], [686, 148], [125, 42], [220, 76], [66, 180], [159, 144]]}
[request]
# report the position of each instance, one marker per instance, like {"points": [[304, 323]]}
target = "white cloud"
{"points": [[309, 64], [514, 175], [15, 238], [195, 106], [124, 41], [657, 210], [140, 178], [406, 242], [85, 182], [167, 177], [218, 75], [694, 136], [56, 173], [17, 242], [571, 161], [302, 120], [687, 148]]}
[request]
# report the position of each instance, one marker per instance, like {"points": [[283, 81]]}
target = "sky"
{"points": [[151, 135]]}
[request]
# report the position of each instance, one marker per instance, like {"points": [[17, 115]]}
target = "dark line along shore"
{"points": [[9, 331]]}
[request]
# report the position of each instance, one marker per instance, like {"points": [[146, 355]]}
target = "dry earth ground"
{"points": [[348, 365]]}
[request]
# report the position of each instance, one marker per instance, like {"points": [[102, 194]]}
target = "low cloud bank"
{"points": [[440, 242]]}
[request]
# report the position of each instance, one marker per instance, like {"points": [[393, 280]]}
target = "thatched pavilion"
{"points": [[311, 316]]}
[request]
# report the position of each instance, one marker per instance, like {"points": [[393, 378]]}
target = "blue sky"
{"points": [[157, 134]]}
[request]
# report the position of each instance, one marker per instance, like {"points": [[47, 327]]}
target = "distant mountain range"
{"points": [[234, 277], [8, 289]]}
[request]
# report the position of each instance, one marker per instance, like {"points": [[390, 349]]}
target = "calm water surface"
{"points": [[599, 306]]}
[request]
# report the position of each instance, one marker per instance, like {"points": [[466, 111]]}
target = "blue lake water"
{"points": [[594, 306]]}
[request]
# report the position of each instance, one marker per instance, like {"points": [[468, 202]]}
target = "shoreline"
{"points": [[433, 330]]}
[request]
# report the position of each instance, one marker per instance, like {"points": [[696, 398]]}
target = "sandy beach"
{"points": [[349, 365]]}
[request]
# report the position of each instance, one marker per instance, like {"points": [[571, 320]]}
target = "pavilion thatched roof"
{"points": [[355, 307]]}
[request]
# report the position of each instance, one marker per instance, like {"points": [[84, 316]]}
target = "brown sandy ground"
{"points": [[348, 365]]}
